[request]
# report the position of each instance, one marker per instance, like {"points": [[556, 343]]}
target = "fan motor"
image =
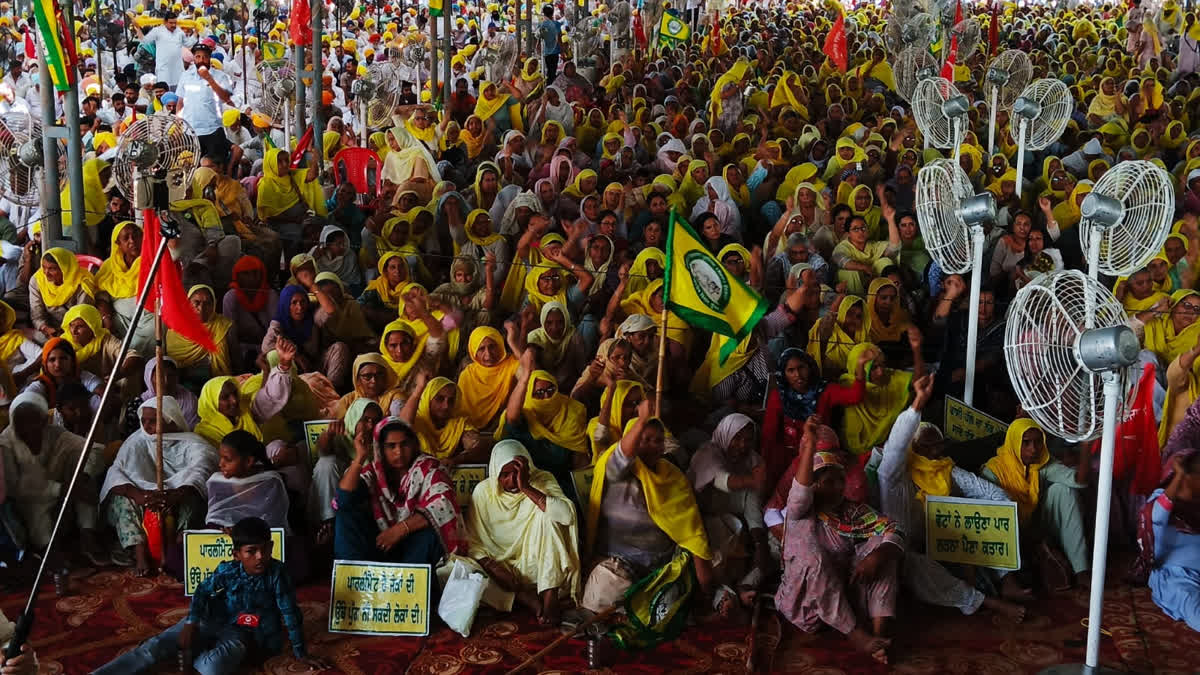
{"points": [[956, 106], [143, 154], [1108, 348], [1027, 107], [1102, 210], [997, 76], [978, 209], [30, 153]]}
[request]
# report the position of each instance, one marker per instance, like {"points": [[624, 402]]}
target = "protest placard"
{"points": [[972, 532], [203, 550], [370, 598]]}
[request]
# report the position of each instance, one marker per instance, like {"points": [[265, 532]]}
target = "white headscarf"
{"points": [[711, 461]]}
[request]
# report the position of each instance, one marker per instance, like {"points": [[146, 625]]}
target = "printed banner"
{"points": [[972, 532], [368, 598], [312, 433], [203, 550], [466, 477], [964, 423]]}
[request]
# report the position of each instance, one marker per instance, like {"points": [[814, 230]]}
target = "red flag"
{"points": [[639, 32], [300, 23], [948, 66], [302, 146], [30, 50], [957, 12], [994, 30], [176, 310], [835, 43], [715, 39], [1136, 456]]}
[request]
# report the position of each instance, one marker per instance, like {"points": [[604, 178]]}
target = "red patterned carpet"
{"points": [[112, 611]]}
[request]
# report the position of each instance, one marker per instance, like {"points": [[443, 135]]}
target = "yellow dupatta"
{"points": [[439, 443], [95, 200], [74, 278], [276, 193], [734, 75], [623, 389], [931, 476], [712, 372], [559, 419], [886, 332], [401, 369], [10, 339], [486, 107], [867, 423], [539, 299], [553, 350], [670, 501], [486, 240], [638, 276], [1161, 337], [840, 343], [114, 276], [483, 390], [677, 329], [213, 426], [1019, 480], [575, 189], [1067, 213], [91, 316], [474, 143], [391, 297], [187, 353]]}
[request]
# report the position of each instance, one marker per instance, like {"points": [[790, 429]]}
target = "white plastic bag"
{"points": [[460, 598]]}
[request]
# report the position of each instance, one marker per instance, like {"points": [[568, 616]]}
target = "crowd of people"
{"points": [[497, 298]]}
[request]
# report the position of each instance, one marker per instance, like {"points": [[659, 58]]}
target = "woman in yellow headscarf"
{"points": [[96, 349], [862, 203], [374, 380], [649, 301], [550, 424], [500, 108], [1108, 102], [437, 415], [279, 197], [485, 383], [732, 78], [847, 329], [887, 319], [692, 186], [58, 285], [1172, 333], [378, 142], [420, 323], [473, 134], [867, 423], [584, 185], [190, 356], [618, 405], [331, 142], [224, 408], [15, 349], [96, 173], [1043, 488], [1067, 213], [845, 153]]}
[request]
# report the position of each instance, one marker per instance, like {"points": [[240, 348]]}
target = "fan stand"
{"points": [[1021, 123], [992, 121], [1112, 404], [287, 125], [977, 244]]}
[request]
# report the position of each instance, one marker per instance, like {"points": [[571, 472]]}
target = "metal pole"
{"points": [[245, 75], [25, 622], [446, 83], [158, 416], [434, 71], [1112, 403], [318, 121], [74, 148], [298, 111], [973, 313], [51, 215]]}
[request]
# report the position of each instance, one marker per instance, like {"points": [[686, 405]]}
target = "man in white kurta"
{"points": [[169, 41]]}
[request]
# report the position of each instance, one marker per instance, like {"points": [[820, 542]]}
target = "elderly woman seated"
{"points": [[840, 558], [397, 506], [130, 487], [640, 512], [37, 459], [523, 530]]}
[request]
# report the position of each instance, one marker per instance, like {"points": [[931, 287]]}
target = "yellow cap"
{"points": [[260, 120], [230, 117]]}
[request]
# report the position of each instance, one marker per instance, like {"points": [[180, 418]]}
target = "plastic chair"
{"points": [[354, 165], [89, 262]]}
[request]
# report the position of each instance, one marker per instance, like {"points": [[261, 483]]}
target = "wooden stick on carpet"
{"points": [[563, 638]]}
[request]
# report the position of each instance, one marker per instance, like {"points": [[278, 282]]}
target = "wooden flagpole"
{"points": [[662, 358]]}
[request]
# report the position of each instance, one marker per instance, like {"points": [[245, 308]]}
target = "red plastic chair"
{"points": [[354, 165], [89, 262]]}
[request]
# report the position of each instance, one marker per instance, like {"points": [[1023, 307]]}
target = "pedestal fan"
{"points": [[1042, 112], [951, 217], [1006, 77], [941, 113]]}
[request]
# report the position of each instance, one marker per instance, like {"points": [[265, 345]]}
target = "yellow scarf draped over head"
{"points": [[734, 75], [439, 443], [889, 332], [483, 390], [474, 143], [1019, 480], [10, 339], [401, 369], [1161, 337], [485, 105], [484, 240], [427, 135], [74, 278], [91, 316], [95, 200], [114, 276], [575, 189], [391, 297], [617, 395], [1067, 214], [867, 423], [213, 425], [559, 419], [931, 476], [188, 354], [276, 193], [539, 299], [669, 499], [840, 343], [553, 350]]}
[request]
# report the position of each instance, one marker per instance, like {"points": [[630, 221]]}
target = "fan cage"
{"points": [[941, 188], [969, 34], [1055, 107], [177, 157], [20, 182], [1044, 324], [908, 67], [931, 118], [1020, 71], [1147, 194]]}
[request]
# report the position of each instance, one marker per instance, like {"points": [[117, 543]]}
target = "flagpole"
{"points": [[662, 357], [158, 418], [25, 622]]}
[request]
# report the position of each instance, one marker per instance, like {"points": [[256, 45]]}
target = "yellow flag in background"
{"points": [[701, 291]]}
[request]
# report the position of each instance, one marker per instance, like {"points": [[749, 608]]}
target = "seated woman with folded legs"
{"points": [[399, 506], [840, 558], [523, 531], [1167, 538]]}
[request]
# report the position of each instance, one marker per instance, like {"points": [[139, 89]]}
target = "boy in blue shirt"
{"points": [[238, 615]]}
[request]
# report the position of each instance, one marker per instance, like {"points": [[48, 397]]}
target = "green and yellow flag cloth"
{"points": [[59, 52], [672, 30], [435, 7], [703, 293]]}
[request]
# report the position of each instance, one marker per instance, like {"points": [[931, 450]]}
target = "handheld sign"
{"points": [[465, 477], [973, 532], [312, 433], [203, 550], [964, 423], [370, 598]]}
